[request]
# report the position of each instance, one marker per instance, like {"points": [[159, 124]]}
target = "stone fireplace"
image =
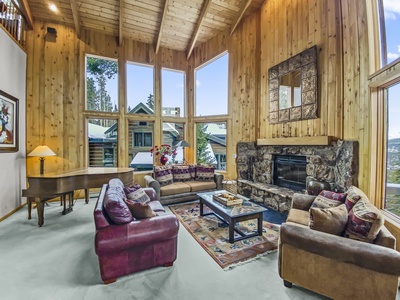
{"points": [[256, 166]]}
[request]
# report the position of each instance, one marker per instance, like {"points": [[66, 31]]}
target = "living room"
{"points": [[47, 74]]}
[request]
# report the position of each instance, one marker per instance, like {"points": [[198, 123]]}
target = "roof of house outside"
{"points": [[96, 131]]}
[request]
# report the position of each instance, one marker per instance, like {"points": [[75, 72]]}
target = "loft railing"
{"points": [[11, 19]]}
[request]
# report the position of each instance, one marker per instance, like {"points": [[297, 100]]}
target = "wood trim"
{"points": [[121, 25], [373, 36], [75, 15], [308, 141], [12, 212], [24, 6], [198, 26], [240, 15], [162, 25]]}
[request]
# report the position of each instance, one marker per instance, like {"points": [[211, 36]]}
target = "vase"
{"points": [[163, 159], [314, 187]]}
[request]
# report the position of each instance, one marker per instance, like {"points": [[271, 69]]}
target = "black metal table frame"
{"points": [[231, 221]]}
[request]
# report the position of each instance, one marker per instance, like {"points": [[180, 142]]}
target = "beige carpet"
{"points": [[58, 261]]}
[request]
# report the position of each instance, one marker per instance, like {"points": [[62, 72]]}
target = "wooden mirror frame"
{"points": [[306, 61]]}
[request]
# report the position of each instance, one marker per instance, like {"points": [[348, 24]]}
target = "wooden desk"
{"points": [[44, 187]]}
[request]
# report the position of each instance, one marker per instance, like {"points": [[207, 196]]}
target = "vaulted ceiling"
{"points": [[174, 24]]}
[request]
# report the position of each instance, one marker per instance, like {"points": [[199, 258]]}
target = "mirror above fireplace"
{"points": [[293, 88]]}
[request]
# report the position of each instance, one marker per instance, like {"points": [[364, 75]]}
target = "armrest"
{"points": [[136, 233], [151, 182], [385, 238], [150, 192], [302, 201], [365, 255], [218, 180]]}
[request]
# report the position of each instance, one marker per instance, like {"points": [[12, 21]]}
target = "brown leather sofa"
{"points": [[336, 266], [128, 245]]}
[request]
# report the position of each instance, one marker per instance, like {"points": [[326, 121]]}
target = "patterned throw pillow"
{"points": [[205, 173], [327, 199], [163, 174], [181, 173], [136, 193], [192, 171], [364, 222], [140, 210], [331, 220], [353, 196]]}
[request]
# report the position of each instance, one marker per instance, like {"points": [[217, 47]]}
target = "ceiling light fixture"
{"points": [[53, 7]]}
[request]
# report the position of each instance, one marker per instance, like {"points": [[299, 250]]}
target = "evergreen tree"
{"points": [[203, 157], [150, 101], [92, 102]]}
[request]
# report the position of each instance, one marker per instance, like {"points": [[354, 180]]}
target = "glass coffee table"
{"points": [[233, 214]]}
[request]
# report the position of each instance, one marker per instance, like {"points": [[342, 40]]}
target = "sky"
{"points": [[392, 23]]}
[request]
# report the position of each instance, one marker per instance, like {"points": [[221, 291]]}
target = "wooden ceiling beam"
{"points": [[76, 17], [26, 10], [121, 12], [240, 15], [162, 25], [198, 26]]}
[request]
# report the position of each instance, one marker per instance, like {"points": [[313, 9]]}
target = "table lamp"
{"points": [[42, 152]]}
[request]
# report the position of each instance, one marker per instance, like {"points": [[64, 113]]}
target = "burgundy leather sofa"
{"points": [[130, 245]]}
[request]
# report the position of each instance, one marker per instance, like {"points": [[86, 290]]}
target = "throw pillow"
{"points": [[364, 222], [136, 193], [192, 171], [205, 173], [115, 206], [163, 174], [354, 194], [327, 199], [140, 210], [181, 173], [331, 220]]}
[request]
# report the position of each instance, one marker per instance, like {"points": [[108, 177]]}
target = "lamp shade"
{"points": [[42, 151], [182, 143]]}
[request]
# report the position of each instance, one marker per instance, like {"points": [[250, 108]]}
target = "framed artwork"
{"points": [[8, 123]]}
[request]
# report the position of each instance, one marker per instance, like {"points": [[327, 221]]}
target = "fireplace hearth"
{"points": [[262, 169], [290, 171]]}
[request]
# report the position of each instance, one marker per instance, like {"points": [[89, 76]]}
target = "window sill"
{"points": [[390, 218]]}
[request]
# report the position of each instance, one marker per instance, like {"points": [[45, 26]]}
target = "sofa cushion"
{"points": [[115, 206], [140, 210], [136, 193], [196, 186], [163, 174], [354, 194], [327, 199], [181, 173], [174, 188], [331, 220], [364, 221], [298, 216], [205, 173]]}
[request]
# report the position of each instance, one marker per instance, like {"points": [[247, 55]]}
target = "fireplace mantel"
{"points": [[295, 141]]}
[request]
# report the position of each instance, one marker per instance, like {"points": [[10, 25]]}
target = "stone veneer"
{"points": [[336, 163]]}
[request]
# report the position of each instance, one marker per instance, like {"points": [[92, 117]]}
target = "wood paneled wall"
{"points": [[281, 29]]}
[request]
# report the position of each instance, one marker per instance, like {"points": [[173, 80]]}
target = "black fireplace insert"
{"points": [[290, 171]]}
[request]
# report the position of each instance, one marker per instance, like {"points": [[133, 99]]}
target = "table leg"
{"points": [[260, 223], [232, 231], [86, 196], [29, 202], [201, 208], [40, 212]]}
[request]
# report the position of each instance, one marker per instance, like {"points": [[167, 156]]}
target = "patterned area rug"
{"points": [[212, 234]]}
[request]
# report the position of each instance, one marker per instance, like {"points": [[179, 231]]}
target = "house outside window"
{"points": [[102, 142], [211, 144], [142, 139]]}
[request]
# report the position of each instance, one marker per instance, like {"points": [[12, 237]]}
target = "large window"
{"points": [[389, 21], [140, 142], [140, 89], [212, 87], [173, 93], [102, 140], [211, 144], [393, 149], [101, 84]]}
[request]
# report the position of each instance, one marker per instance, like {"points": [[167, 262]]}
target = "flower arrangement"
{"points": [[163, 150]]}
